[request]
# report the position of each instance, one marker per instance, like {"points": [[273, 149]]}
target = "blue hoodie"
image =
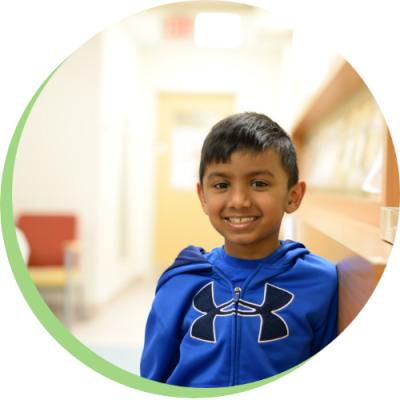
{"points": [[203, 331]]}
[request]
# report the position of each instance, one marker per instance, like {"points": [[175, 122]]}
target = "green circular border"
{"points": [[53, 325]]}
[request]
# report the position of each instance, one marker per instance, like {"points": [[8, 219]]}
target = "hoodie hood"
{"points": [[285, 255], [189, 259], [192, 259]]}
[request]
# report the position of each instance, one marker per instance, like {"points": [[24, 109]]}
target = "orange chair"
{"points": [[53, 257]]}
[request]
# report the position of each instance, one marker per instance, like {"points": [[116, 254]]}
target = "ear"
{"points": [[296, 194], [200, 193]]}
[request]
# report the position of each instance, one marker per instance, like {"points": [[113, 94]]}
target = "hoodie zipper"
{"points": [[236, 300], [236, 295]]}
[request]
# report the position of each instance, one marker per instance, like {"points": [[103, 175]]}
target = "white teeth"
{"points": [[241, 220]]}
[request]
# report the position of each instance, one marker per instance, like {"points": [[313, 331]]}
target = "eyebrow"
{"points": [[253, 173], [262, 172]]}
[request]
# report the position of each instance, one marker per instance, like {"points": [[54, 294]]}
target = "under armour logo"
{"points": [[272, 326]]}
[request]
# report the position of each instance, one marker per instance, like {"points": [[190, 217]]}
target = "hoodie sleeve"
{"points": [[161, 351], [174, 296], [328, 330]]}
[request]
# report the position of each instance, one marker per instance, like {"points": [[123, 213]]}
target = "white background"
{"points": [[36, 36]]}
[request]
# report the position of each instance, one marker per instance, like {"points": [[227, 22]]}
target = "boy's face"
{"points": [[246, 199]]}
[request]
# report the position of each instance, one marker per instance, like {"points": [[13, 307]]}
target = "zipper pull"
{"points": [[237, 294]]}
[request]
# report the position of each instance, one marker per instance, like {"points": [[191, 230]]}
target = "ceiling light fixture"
{"points": [[218, 30]]}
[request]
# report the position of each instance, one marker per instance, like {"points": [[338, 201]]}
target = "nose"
{"points": [[239, 198]]}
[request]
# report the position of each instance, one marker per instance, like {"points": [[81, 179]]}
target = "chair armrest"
{"points": [[71, 250], [72, 246]]}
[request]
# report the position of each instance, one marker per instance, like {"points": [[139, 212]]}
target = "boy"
{"points": [[256, 306]]}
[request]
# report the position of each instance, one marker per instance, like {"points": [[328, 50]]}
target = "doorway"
{"points": [[184, 121]]}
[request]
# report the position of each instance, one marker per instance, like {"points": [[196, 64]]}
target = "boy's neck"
{"points": [[251, 251]]}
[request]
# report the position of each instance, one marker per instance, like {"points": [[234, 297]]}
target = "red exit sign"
{"points": [[178, 28]]}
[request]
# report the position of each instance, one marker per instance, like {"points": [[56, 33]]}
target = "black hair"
{"points": [[249, 132]]}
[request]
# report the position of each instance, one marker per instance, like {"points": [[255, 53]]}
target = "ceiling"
{"points": [[147, 26]]}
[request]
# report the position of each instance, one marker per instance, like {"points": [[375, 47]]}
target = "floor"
{"points": [[116, 333]]}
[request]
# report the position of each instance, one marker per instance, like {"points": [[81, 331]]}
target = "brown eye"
{"points": [[259, 184], [221, 186]]}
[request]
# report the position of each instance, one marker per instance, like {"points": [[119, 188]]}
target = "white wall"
{"points": [[57, 157], [71, 153], [253, 76], [118, 248]]}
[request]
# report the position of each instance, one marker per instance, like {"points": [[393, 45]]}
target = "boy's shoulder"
{"points": [[320, 265], [317, 273], [190, 262]]}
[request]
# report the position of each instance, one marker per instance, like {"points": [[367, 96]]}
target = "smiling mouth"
{"points": [[242, 220]]}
